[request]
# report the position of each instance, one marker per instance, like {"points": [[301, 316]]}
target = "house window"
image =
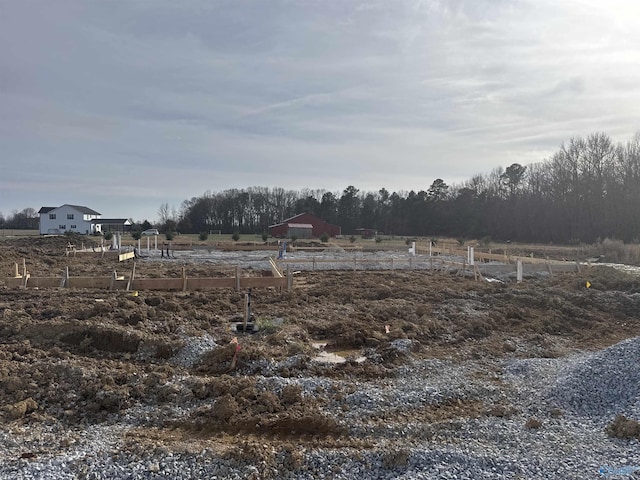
{"points": [[69, 216], [52, 216], [62, 227], [73, 227]]}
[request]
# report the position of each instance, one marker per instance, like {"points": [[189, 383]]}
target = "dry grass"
{"points": [[623, 427], [616, 251]]}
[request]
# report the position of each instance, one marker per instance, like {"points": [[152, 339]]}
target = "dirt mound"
{"points": [[81, 357]]}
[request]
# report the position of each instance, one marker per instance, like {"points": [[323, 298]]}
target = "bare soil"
{"points": [[83, 357]]}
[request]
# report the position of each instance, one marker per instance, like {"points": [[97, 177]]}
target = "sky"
{"points": [[125, 105]]}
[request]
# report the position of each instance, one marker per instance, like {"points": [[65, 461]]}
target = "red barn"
{"points": [[303, 222]]}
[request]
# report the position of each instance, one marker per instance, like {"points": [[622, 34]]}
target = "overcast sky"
{"points": [[124, 105]]}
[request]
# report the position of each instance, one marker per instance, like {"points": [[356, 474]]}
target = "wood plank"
{"points": [[275, 269], [263, 282], [207, 283], [126, 256], [89, 282], [157, 284]]}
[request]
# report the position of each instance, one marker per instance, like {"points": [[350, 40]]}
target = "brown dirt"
{"points": [[85, 356]]}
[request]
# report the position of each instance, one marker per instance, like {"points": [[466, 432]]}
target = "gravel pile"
{"points": [[195, 347], [602, 384]]}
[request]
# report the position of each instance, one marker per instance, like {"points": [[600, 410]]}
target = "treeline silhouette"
{"points": [[587, 191]]}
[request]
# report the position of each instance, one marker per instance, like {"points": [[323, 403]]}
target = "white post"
{"points": [[429, 247], [147, 244], [155, 238], [412, 250], [519, 271], [471, 256]]}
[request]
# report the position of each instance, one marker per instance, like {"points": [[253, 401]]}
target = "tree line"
{"points": [[586, 191], [27, 219]]}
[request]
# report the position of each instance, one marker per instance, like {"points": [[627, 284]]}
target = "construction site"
{"points": [[158, 361]]}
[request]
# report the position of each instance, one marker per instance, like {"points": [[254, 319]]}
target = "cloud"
{"points": [[133, 104]]}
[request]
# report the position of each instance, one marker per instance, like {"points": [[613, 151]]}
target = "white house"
{"points": [[68, 218]]}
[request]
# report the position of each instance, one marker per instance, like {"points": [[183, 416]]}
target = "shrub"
{"points": [[169, 235], [265, 236], [136, 234], [266, 325], [203, 236], [352, 239], [378, 239], [108, 235], [324, 238], [235, 237]]}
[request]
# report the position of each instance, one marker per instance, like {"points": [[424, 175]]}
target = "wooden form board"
{"points": [[121, 283], [126, 256]]}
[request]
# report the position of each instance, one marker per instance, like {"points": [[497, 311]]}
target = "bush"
{"points": [[378, 239], [203, 236], [235, 237], [136, 234], [352, 239], [266, 325], [108, 235], [265, 236], [324, 238], [169, 235]]}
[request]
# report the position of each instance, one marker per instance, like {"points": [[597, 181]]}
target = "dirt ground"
{"points": [[84, 357]]}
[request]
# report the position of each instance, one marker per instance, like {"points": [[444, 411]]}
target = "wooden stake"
{"points": [[132, 276], [237, 278], [65, 278], [246, 312], [184, 279]]}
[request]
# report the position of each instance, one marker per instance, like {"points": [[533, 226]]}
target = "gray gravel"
{"points": [[589, 389]]}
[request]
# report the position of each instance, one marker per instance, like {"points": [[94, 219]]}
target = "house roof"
{"points": [[85, 210], [79, 208]]}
